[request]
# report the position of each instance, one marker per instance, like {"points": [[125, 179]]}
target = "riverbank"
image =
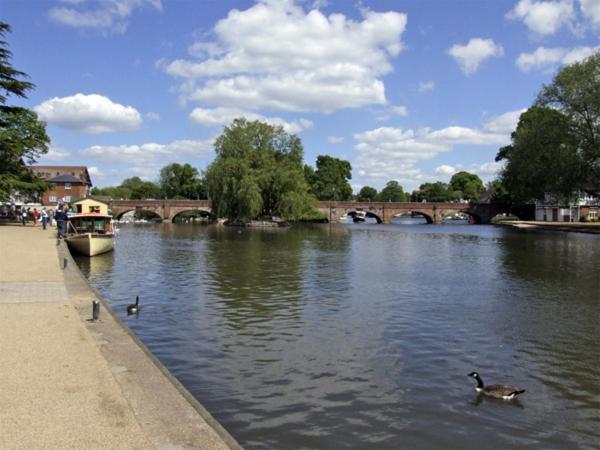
{"points": [[69, 382], [577, 227]]}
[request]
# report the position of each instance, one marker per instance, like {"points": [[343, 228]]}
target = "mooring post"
{"points": [[65, 263], [95, 310]]}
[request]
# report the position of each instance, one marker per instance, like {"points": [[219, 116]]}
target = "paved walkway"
{"points": [[66, 382]]}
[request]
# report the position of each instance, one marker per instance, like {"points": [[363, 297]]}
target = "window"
{"points": [[67, 198], [67, 185], [52, 198]]}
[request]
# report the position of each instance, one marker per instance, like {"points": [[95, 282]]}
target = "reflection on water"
{"points": [[361, 335]]}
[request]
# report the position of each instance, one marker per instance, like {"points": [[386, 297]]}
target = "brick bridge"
{"points": [[382, 212]]}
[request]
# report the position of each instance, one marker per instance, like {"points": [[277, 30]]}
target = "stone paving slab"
{"points": [[69, 383]]}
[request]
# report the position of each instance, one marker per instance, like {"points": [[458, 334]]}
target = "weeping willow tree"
{"points": [[258, 172]]}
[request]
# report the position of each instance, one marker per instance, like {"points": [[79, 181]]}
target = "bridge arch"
{"points": [[474, 218], [368, 214], [182, 215], [139, 211], [415, 212]]}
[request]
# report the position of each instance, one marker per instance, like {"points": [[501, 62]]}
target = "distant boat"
{"points": [[90, 234], [359, 217]]}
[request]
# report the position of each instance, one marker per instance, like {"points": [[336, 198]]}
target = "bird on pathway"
{"points": [[134, 308], [496, 390]]}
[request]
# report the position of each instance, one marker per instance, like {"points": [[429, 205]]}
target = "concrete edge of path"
{"points": [[165, 409]]}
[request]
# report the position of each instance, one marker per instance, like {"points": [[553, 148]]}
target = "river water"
{"points": [[362, 336]]}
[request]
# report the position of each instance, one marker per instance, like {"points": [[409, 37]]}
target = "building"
{"points": [[66, 183], [90, 205], [585, 209]]}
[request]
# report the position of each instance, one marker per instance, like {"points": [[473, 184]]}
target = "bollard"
{"points": [[95, 310], [65, 263]]}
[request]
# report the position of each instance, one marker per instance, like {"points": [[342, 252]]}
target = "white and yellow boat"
{"points": [[90, 234]]}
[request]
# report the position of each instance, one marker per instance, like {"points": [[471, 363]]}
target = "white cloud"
{"points": [[426, 86], [105, 14], [445, 170], [470, 56], [274, 55], [55, 154], [224, 116], [153, 116], [89, 113], [335, 140], [393, 153], [94, 171], [150, 152], [401, 111], [543, 17], [591, 10], [549, 58]]}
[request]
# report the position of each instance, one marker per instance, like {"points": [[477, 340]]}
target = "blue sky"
{"points": [[411, 90]]}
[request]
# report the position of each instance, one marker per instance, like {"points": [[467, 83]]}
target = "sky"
{"points": [[406, 90]]}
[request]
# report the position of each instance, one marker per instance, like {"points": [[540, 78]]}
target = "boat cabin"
{"points": [[89, 223], [89, 205]]}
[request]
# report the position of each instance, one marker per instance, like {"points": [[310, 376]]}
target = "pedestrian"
{"points": [[50, 217], [23, 215], [60, 222], [44, 215], [36, 216]]}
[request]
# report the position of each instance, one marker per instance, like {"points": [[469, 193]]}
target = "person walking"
{"points": [[60, 222], [44, 215], [36, 216], [23, 215]]}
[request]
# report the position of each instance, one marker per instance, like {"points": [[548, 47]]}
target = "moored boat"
{"points": [[90, 234]]}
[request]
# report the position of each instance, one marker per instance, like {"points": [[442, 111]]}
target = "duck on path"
{"points": [[496, 390]]}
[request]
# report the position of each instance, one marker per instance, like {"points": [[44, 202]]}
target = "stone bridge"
{"points": [[382, 212], [166, 210]]}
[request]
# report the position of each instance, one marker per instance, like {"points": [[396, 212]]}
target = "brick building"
{"points": [[67, 183]]}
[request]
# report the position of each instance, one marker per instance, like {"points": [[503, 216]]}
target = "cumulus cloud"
{"points": [[470, 56], [150, 152], [110, 15], [445, 170], [55, 154], [153, 116], [387, 152], [426, 86], [224, 116], [591, 10], [275, 55], [89, 114], [549, 58], [335, 140], [94, 171], [543, 17]]}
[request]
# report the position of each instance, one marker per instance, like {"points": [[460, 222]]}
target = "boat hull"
{"points": [[89, 244]]}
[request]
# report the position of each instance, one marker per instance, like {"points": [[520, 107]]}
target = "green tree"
{"points": [[23, 137], [258, 172], [543, 157], [392, 192], [575, 91], [466, 185], [330, 180], [498, 193], [181, 180], [434, 192], [367, 194]]}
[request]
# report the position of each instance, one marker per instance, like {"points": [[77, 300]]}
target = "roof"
{"points": [[89, 216], [66, 178], [67, 170], [97, 200]]}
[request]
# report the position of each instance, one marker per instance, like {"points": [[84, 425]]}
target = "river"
{"points": [[361, 336]]}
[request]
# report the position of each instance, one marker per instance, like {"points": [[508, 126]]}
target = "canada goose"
{"points": [[496, 390], [134, 308]]}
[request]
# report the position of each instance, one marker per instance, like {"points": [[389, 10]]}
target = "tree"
{"points": [[258, 172], [434, 192], [466, 185], [182, 181], [367, 194], [392, 192], [23, 137], [131, 188], [330, 180], [498, 193], [575, 91], [543, 157]]}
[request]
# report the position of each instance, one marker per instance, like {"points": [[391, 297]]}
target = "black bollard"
{"points": [[95, 310], [65, 263]]}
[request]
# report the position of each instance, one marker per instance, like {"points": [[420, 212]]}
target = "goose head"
{"points": [[473, 374]]}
